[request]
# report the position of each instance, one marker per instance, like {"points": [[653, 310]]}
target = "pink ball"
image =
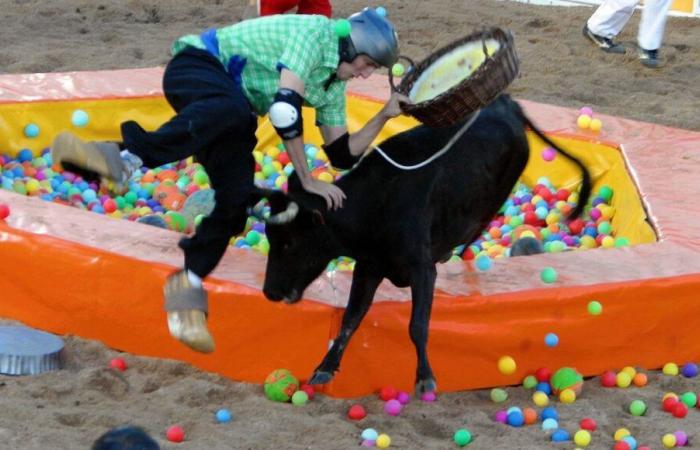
{"points": [[4, 211], [586, 110], [368, 443], [392, 407], [595, 213], [681, 438], [501, 416], [403, 398], [428, 396], [548, 154]]}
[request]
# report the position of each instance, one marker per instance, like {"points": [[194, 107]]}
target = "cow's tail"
{"points": [[585, 191]]}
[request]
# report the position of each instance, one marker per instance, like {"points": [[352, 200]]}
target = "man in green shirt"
{"points": [[218, 82]]}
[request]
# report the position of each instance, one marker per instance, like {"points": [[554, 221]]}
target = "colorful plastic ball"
{"points": [[368, 443], [398, 70], [549, 424], [516, 419], [501, 416], [540, 399], [175, 433], [637, 408], [582, 438], [548, 275], [529, 382], [620, 433], [622, 445], [530, 416], [4, 211], [669, 403], [561, 435], [595, 308], [681, 438], [462, 437], [549, 413], [623, 379], [498, 395], [548, 154], [566, 378], [280, 385], [670, 369], [31, 130], [506, 365], [690, 399], [483, 263], [595, 124], [429, 396], [357, 412], [369, 434], [551, 340], [567, 396], [79, 118], [680, 410], [392, 407], [588, 424], [342, 28], [223, 415], [543, 374], [383, 441], [300, 398], [689, 370], [24, 155], [388, 393], [583, 121], [544, 386], [380, 10], [586, 110], [118, 363], [668, 440], [640, 379], [403, 398]]}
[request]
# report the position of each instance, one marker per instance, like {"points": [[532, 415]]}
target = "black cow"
{"points": [[398, 224]]}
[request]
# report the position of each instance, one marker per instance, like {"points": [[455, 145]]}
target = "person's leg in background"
{"points": [[320, 7], [607, 22], [651, 31]]}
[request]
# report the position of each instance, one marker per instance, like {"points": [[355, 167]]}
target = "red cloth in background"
{"points": [[322, 7]]}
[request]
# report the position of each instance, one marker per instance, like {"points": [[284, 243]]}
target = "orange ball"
{"points": [[173, 201], [530, 416], [164, 189], [167, 174], [640, 379]]}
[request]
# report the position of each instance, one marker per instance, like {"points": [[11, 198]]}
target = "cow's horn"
{"points": [[285, 216]]}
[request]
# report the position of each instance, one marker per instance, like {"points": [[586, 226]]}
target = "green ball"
{"points": [[529, 382], [638, 408], [299, 398], [198, 219], [564, 378], [342, 28], [398, 70], [498, 395], [605, 193], [595, 308], [622, 242], [548, 275], [200, 177], [280, 385], [462, 437], [690, 399], [252, 237]]}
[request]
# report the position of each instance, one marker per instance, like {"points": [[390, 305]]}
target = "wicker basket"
{"points": [[472, 93]]}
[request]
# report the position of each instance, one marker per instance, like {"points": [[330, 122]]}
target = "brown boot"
{"points": [[186, 306]]}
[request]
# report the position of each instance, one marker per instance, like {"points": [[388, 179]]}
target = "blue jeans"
{"points": [[215, 123]]}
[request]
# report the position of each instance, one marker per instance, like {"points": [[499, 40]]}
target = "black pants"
{"points": [[214, 122]]}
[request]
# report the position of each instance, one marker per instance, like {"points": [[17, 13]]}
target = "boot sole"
{"points": [[69, 148]]}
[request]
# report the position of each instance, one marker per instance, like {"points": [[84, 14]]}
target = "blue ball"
{"points": [[549, 413], [89, 195], [549, 424], [223, 415], [31, 130], [483, 263], [516, 419], [690, 370], [380, 10], [25, 155], [79, 118], [551, 340], [544, 387], [632, 442], [560, 435]]}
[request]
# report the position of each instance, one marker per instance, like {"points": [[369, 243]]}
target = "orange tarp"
{"points": [[70, 271]]}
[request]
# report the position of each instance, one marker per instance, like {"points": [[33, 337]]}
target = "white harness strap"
{"points": [[435, 156]]}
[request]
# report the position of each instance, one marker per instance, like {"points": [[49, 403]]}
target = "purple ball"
{"points": [[690, 370], [681, 438], [403, 398], [501, 416], [368, 443], [392, 407], [259, 227]]}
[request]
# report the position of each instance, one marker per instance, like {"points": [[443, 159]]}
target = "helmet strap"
{"points": [[347, 50]]}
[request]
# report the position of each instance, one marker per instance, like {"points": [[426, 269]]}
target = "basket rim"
{"points": [[404, 87]]}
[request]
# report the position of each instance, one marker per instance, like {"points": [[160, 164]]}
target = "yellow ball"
{"points": [[540, 398], [620, 433], [669, 440], [383, 441], [631, 371], [583, 121], [669, 394], [623, 379], [670, 369], [325, 176], [321, 156], [607, 242], [258, 156], [582, 438], [595, 124], [567, 396], [506, 365]]}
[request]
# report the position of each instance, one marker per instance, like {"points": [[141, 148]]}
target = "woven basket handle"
{"points": [[391, 75]]}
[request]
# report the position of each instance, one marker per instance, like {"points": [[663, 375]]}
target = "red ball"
{"points": [[531, 218], [576, 226], [175, 434], [309, 390], [588, 424], [562, 194], [388, 393], [4, 211], [543, 374], [669, 404], [468, 254], [622, 445], [109, 205], [357, 412], [118, 363], [680, 410], [608, 379], [283, 158]]}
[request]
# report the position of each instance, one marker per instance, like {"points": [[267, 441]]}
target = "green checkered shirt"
{"points": [[306, 45]]}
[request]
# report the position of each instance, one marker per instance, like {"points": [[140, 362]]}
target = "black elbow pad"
{"points": [[285, 114], [338, 153]]}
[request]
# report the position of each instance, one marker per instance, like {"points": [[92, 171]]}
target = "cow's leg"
{"points": [[422, 286], [364, 285]]}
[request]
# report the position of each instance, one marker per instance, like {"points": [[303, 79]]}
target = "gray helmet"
{"points": [[371, 35]]}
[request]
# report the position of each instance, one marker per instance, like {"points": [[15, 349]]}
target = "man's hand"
{"points": [[391, 108], [333, 195]]}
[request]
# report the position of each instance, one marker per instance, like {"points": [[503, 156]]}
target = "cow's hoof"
{"points": [[424, 386], [190, 328], [320, 377]]}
